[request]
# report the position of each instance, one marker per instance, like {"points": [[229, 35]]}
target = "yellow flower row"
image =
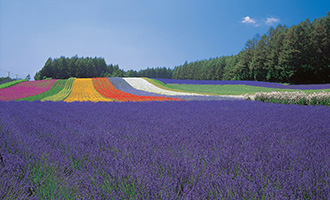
{"points": [[83, 90], [64, 93]]}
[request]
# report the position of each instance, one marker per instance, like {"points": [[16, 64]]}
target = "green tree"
{"points": [[275, 48], [242, 69], [257, 66]]}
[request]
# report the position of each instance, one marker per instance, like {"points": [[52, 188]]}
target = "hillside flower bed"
{"points": [[57, 86], [302, 98], [64, 93], [164, 150], [142, 84], [122, 85], [106, 88], [25, 89], [83, 90]]}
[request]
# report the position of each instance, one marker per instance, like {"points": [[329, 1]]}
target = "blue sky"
{"points": [[137, 34]]}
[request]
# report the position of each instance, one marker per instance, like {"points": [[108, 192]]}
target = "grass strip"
{"points": [[57, 87], [227, 89], [11, 83], [64, 93]]}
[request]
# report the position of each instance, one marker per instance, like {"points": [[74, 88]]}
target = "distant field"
{"points": [[230, 89], [250, 83], [226, 89], [146, 89]]}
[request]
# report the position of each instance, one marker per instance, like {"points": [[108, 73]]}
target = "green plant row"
{"points": [[57, 87], [64, 93], [11, 83]]}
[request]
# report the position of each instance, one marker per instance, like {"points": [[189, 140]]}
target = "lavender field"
{"points": [[164, 150]]}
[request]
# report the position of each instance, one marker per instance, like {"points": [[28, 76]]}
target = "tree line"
{"points": [[63, 68], [299, 54], [5, 80]]}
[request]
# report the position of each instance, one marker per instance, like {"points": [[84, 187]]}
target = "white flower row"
{"points": [[298, 97], [142, 84]]}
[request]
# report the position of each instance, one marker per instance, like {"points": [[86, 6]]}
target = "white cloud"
{"points": [[258, 22], [248, 20], [271, 20]]}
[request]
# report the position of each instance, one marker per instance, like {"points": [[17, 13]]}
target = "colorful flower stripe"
{"points": [[142, 84], [122, 85], [83, 90], [105, 88], [251, 83], [57, 86], [25, 89], [63, 93]]}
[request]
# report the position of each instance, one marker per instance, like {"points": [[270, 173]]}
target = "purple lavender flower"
{"points": [[164, 150]]}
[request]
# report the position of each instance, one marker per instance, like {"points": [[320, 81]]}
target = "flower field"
{"points": [[164, 150], [122, 85], [55, 89], [146, 89], [63, 94], [99, 89], [141, 148], [142, 84], [25, 89], [106, 89], [83, 90]]}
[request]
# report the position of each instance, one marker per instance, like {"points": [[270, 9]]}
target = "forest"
{"points": [[63, 68], [299, 54]]}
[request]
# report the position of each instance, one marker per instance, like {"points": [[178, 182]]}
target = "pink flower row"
{"points": [[25, 89]]}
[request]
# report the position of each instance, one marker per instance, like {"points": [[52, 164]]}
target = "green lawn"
{"points": [[57, 87], [222, 89]]}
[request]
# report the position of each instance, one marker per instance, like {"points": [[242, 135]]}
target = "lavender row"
{"points": [[122, 85], [164, 150], [251, 83]]}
